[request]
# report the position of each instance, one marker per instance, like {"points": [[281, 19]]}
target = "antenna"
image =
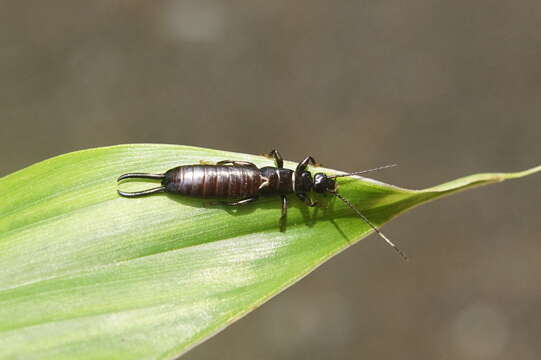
{"points": [[364, 171], [361, 215]]}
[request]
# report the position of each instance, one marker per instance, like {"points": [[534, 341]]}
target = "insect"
{"points": [[244, 182]]}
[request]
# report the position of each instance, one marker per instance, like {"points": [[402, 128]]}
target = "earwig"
{"points": [[244, 182]]}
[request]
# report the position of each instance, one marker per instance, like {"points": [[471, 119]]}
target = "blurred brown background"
{"points": [[444, 88]]}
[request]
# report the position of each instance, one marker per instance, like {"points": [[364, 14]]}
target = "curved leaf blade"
{"points": [[86, 274]]}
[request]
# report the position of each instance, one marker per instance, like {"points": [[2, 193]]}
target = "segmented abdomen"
{"points": [[213, 181]]}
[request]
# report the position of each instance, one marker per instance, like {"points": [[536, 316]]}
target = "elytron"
{"points": [[243, 182]]}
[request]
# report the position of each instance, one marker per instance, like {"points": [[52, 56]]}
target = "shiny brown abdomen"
{"points": [[213, 181]]}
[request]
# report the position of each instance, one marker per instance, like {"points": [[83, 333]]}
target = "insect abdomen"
{"points": [[213, 181]]}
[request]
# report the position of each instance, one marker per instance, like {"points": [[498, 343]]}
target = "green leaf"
{"points": [[86, 274]]}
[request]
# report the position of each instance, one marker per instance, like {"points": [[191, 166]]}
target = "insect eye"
{"points": [[331, 184]]}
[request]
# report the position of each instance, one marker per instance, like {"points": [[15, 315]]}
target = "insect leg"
{"points": [[306, 200], [284, 206], [240, 202], [303, 164], [278, 160], [284, 214], [237, 163]]}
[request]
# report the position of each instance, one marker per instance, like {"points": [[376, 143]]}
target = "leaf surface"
{"points": [[86, 274]]}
